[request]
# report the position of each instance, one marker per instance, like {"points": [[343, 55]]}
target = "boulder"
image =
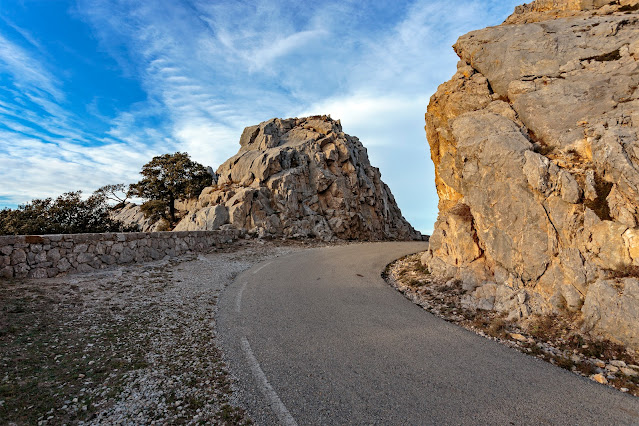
{"points": [[207, 219], [535, 142], [131, 215], [612, 308]]}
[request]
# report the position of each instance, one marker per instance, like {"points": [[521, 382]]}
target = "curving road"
{"points": [[317, 337]]}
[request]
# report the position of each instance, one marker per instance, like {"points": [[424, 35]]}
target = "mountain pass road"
{"points": [[318, 337]]}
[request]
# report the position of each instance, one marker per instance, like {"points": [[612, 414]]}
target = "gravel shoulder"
{"points": [[131, 345]]}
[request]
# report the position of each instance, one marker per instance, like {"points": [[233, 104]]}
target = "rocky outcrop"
{"points": [[300, 177], [131, 215], [536, 153]]}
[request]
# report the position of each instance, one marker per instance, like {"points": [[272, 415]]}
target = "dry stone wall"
{"points": [[50, 255]]}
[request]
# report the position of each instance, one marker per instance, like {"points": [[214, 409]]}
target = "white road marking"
{"points": [[261, 267], [276, 403], [238, 299]]}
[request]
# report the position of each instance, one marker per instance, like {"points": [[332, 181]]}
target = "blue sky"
{"points": [[90, 90]]}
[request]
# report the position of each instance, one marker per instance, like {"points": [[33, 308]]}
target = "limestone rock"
{"points": [[207, 219], [599, 378], [300, 177], [612, 308], [535, 142], [131, 214]]}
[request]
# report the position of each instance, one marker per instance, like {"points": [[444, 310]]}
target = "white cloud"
{"points": [[58, 168], [261, 57], [44, 148]]}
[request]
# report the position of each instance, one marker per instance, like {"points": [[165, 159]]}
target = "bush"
{"points": [[67, 214]]}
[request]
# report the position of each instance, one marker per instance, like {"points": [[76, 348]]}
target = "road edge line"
{"points": [[275, 402], [238, 298], [262, 267]]}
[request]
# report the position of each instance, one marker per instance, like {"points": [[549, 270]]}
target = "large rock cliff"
{"points": [[536, 153], [300, 177]]}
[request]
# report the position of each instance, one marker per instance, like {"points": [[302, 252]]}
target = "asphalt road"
{"points": [[317, 337]]}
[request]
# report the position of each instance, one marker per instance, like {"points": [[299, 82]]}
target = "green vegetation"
{"points": [[167, 178], [115, 193], [67, 214]]}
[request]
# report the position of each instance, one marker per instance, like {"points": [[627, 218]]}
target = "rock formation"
{"points": [[131, 215], [300, 177], [536, 153]]}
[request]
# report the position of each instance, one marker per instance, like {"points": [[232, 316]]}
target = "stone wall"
{"points": [[50, 255]]}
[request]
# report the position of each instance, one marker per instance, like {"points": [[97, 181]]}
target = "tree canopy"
{"points": [[117, 193], [167, 178], [67, 214]]}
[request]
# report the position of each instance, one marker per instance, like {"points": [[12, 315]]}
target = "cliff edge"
{"points": [[536, 153]]}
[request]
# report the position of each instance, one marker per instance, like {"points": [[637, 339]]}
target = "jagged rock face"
{"points": [[300, 177], [536, 153], [131, 215]]}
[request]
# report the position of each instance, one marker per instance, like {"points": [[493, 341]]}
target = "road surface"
{"points": [[317, 337]]}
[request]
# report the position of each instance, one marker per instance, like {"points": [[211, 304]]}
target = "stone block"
{"points": [[38, 273], [21, 270], [63, 265], [81, 248], [127, 256], [33, 239], [18, 256], [53, 255], [84, 268], [6, 272], [41, 257], [96, 263], [108, 259], [85, 257], [7, 240]]}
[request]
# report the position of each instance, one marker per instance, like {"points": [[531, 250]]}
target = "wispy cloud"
{"points": [[26, 72]]}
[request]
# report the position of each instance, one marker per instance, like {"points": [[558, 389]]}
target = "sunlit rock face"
{"points": [[536, 154], [300, 177], [131, 215]]}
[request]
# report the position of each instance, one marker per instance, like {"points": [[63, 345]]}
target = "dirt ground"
{"points": [[129, 345]]}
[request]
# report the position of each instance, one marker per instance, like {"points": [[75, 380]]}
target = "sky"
{"points": [[91, 90]]}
